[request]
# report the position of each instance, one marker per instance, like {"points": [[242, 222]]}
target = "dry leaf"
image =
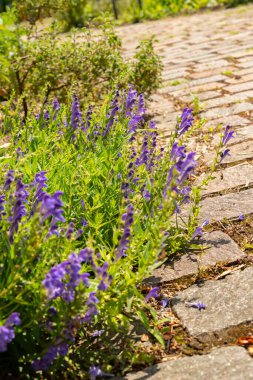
{"points": [[144, 338]]}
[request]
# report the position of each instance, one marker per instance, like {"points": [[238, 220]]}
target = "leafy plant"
{"points": [[87, 205], [35, 64]]}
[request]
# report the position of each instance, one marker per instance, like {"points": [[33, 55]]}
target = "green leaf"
{"points": [[159, 337]]}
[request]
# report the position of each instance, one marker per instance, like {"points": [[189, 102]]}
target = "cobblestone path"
{"points": [[209, 56]]}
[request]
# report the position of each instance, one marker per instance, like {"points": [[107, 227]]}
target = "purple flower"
{"points": [[186, 167], [76, 115], [88, 119], [228, 135], [95, 372], [19, 153], [164, 303], [103, 286], [138, 117], [92, 311], [85, 255], [97, 333], [111, 115], [56, 107], [47, 115], [186, 121], [141, 105], [51, 207], [130, 100], [18, 210], [70, 230], [2, 202], [224, 154], [9, 179], [197, 305], [84, 222], [177, 151], [152, 294], [199, 230], [92, 299], [147, 195], [62, 279], [168, 181], [7, 333], [40, 180], [241, 217], [48, 358], [124, 241]]}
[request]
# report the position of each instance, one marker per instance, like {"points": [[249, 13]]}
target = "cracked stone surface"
{"points": [[229, 307], [227, 363], [219, 248]]}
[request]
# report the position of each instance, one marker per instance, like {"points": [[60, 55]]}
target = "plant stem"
{"points": [[115, 11]]}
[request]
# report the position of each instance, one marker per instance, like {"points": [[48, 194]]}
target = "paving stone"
{"points": [[226, 363], [202, 96], [221, 63], [228, 99], [240, 87], [233, 121], [167, 75], [227, 206], [236, 176], [221, 248], [204, 74], [246, 64], [240, 79], [239, 152], [228, 111], [229, 307], [214, 78], [193, 89], [243, 133]]}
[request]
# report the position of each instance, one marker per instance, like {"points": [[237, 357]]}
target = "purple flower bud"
{"points": [[199, 230], [70, 230], [164, 303], [48, 358], [186, 122], [95, 372], [7, 333], [153, 293], [56, 107], [92, 299], [9, 179], [97, 333], [177, 151], [241, 217], [84, 222], [224, 154], [186, 167], [76, 115], [51, 207], [18, 210], [62, 279], [124, 242], [228, 135], [2, 202], [85, 255]]}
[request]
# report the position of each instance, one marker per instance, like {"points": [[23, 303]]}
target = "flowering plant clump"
{"points": [[88, 202]]}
